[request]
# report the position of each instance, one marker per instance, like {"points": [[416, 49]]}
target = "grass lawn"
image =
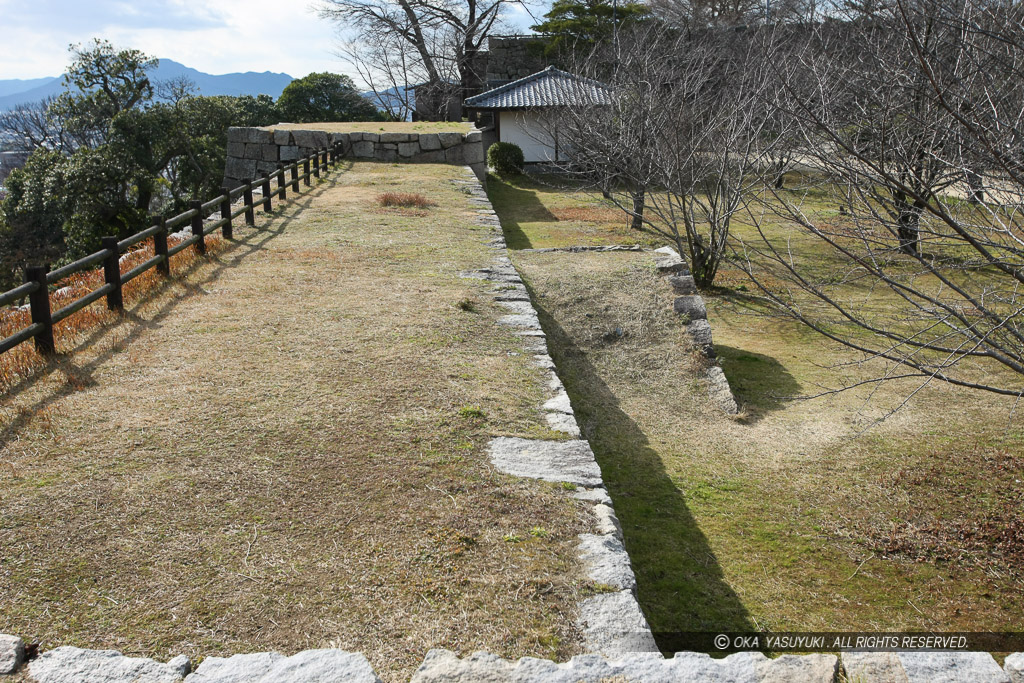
{"points": [[285, 450], [381, 127], [795, 516]]}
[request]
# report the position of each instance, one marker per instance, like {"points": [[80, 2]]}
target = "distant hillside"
{"points": [[249, 83], [15, 85]]}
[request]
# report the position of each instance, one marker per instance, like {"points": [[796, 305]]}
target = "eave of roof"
{"points": [[548, 88]]}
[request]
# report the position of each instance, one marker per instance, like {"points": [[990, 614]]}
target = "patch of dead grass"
{"points": [[272, 455]]}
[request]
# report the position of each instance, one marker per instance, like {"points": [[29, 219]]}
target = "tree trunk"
{"points": [[638, 209], [780, 181], [907, 230]]}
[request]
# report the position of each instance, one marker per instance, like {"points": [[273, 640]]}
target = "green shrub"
{"points": [[506, 158]]}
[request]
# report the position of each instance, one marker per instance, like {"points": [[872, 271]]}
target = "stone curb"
{"points": [[690, 303]]}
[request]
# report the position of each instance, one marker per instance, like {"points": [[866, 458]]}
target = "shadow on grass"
{"points": [[758, 381], [681, 587], [80, 375], [515, 206]]}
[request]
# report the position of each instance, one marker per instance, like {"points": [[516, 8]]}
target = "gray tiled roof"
{"points": [[548, 88]]}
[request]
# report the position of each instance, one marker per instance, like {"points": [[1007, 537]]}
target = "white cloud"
{"points": [[215, 36]]}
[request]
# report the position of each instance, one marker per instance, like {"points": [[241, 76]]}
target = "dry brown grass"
{"points": [[405, 200], [275, 455], [21, 362], [589, 214]]}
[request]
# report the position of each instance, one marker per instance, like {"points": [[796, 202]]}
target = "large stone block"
{"points": [[290, 153], [691, 306], [265, 167], [434, 157], [606, 561], [386, 152], [321, 138], [1014, 667], [429, 142], [394, 137], [362, 149], [951, 667], [555, 461], [304, 138], [258, 136], [236, 149], [269, 152], [240, 168], [613, 626], [473, 136], [74, 665], [408, 149], [254, 151], [282, 137], [455, 155], [12, 654], [238, 134], [473, 153], [449, 139], [336, 666]]}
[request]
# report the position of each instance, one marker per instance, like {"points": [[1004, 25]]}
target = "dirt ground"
{"points": [[285, 450]]}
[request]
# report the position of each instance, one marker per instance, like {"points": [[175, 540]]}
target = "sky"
{"points": [[213, 36]]}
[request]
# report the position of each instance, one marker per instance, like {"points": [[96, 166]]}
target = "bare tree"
{"points": [[678, 148], [38, 125], [434, 40], [904, 112]]}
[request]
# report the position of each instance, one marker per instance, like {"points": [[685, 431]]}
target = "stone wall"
{"points": [[513, 57], [254, 151]]}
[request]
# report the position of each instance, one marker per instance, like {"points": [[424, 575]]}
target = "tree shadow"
{"points": [[79, 375], [681, 587], [759, 382], [515, 206]]}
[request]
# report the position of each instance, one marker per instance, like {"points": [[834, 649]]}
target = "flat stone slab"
{"points": [[606, 561], [12, 653], [310, 666], [594, 495], [951, 667], [719, 391], [559, 404], [1013, 665], [555, 461], [560, 422], [683, 284], [607, 520], [873, 666], [668, 260], [517, 307], [522, 320], [613, 625], [75, 665], [692, 306]]}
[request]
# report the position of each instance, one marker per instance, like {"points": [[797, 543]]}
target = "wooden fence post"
{"points": [[227, 230], [267, 203], [39, 302], [197, 226], [305, 171], [323, 159], [112, 273], [316, 164], [282, 193], [295, 177], [250, 216], [160, 244]]}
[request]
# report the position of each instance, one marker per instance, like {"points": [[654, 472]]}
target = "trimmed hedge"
{"points": [[506, 158]]}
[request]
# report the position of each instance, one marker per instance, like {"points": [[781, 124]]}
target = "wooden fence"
{"points": [[39, 279]]}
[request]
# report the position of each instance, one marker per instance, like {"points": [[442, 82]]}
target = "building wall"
{"points": [[527, 130]]}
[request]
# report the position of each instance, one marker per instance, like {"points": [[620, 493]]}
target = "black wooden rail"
{"points": [[38, 279]]}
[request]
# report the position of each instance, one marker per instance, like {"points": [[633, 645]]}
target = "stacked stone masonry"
{"points": [[254, 151], [615, 631]]}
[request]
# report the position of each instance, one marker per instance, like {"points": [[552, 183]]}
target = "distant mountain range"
{"points": [[15, 92]]}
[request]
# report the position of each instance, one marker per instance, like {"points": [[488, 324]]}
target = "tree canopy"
{"points": [[324, 97], [579, 25]]}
